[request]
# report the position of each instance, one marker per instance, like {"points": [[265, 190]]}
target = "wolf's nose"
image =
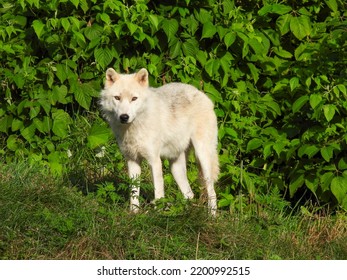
{"points": [[124, 118]]}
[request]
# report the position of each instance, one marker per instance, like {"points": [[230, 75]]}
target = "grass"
{"points": [[45, 218]]}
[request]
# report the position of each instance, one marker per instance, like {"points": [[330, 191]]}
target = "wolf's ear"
{"points": [[142, 77], [111, 77]]}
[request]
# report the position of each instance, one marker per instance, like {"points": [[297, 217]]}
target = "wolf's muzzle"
{"points": [[124, 118]]}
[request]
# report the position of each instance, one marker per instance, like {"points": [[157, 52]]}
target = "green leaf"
{"points": [[265, 10], [248, 183], [203, 16], [342, 88], [17, 124], [98, 135], [327, 153], [303, 52], [294, 83], [59, 94], [312, 183], [279, 9], [226, 63], [229, 38], [34, 111], [132, 27], [61, 72], [170, 27], [325, 180], [231, 132], [175, 49], [329, 111], [245, 49], [5, 123], [190, 47], [342, 165], [299, 103], [212, 67], [224, 202], [201, 56], [105, 18], [283, 23], [75, 2], [254, 71], [257, 46], [84, 93], [94, 32], [343, 204], [66, 24], [208, 30], [76, 23], [61, 122], [29, 132], [12, 143], [82, 97], [228, 6], [91, 88], [39, 125], [296, 183], [267, 150], [278, 147], [46, 124], [339, 188], [154, 21], [103, 56], [54, 159], [38, 26], [282, 53], [332, 4], [309, 150], [253, 144], [210, 89], [300, 26], [78, 36], [315, 100]]}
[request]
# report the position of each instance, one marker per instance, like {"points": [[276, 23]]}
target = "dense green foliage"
{"points": [[276, 71]]}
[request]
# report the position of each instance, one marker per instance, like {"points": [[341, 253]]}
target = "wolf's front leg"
{"points": [[157, 175], [134, 171]]}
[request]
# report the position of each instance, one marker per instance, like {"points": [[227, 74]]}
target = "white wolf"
{"points": [[154, 123]]}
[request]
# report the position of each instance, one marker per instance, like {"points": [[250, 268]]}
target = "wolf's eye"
{"points": [[117, 98], [134, 98]]}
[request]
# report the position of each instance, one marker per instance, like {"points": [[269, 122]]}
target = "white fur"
{"points": [[154, 123]]}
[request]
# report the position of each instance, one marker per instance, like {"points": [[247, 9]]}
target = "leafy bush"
{"points": [[276, 72]]}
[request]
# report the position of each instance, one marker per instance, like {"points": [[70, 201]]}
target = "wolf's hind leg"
{"points": [[179, 171], [208, 160]]}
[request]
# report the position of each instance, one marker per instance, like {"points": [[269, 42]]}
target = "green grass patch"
{"points": [[46, 218]]}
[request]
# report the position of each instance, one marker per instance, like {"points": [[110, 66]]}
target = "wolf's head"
{"points": [[123, 96]]}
